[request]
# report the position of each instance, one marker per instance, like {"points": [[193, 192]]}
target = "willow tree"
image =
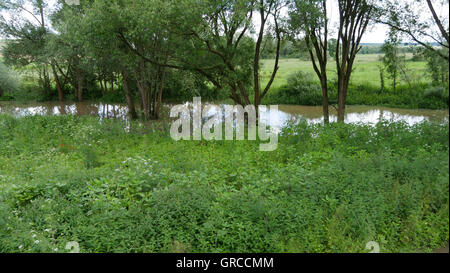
{"points": [[310, 18], [26, 30], [110, 58], [142, 31], [222, 40], [354, 18]]}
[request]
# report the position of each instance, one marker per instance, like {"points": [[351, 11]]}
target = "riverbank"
{"points": [[128, 187], [285, 114]]}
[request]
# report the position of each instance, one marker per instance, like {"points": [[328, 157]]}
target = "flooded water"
{"points": [[285, 113]]}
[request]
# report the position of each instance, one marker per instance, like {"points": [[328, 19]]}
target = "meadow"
{"points": [[366, 70], [296, 83], [112, 186]]}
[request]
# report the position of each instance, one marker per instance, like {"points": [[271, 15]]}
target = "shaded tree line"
{"points": [[143, 47]]}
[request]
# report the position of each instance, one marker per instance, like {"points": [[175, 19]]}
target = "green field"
{"points": [[366, 70], [415, 88]]}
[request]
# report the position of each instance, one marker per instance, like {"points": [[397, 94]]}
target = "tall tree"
{"points": [[27, 31], [392, 60], [214, 39], [140, 26], [310, 17], [354, 17]]}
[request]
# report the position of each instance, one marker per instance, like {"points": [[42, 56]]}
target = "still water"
{"points": [[285, 113]]}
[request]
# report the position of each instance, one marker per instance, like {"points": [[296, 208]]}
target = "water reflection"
{"points": [[284, 115], [102, 110]]}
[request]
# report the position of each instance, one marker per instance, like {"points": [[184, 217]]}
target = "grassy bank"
{"points": [[296, 83], [325, 189], [309, 92]]}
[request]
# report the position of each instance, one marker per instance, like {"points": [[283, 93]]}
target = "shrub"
{"points": [[327, 188], [301, 88], [435, 97], [8, 82]]}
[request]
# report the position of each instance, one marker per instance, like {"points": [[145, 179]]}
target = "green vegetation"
{"points": [[8, 82], [415, 91], [365, 86], [127, 186], [122, 189], [366, 70]]}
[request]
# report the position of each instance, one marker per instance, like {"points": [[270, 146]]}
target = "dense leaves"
{"points": [[116, 188]]}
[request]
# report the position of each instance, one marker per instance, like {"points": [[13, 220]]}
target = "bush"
{"points": [[435, 98], [301, 88], [327, 188], [9, 82]]}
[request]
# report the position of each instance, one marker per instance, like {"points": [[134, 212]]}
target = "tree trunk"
{"points": [[105, 84], [112, 83], [342, 96], [341, 105], [130, 100], [143, 87], [325, 103], [46, 81], [58, 84], [80, 81], [101, 87]]}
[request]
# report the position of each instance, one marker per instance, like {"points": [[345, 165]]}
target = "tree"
{"points": [[392, 60], [310, 17], [411, 22], [437, 67], [27, 36], [67, 48], [140, 27], [354, 17], [8, 80], [110, 57]]}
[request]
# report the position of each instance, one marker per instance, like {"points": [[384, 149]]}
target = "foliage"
{"points": [[301, 88], [437, 67], [415, 96], [326, 189], [8, 81], [392, 60]]}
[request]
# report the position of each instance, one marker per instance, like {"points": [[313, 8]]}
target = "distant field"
{"points": [[366, 70]]}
